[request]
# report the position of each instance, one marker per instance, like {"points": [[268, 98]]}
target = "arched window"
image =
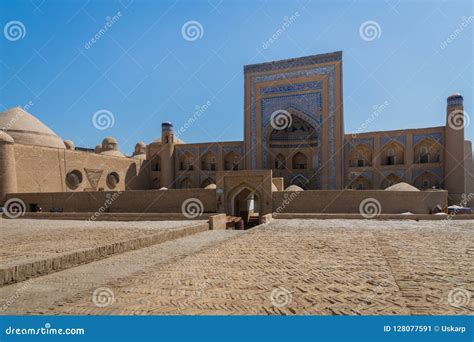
{"points": [[231, 161], [393, 154], [208, 162], [300, 161], [360, 156], [186, 162]]}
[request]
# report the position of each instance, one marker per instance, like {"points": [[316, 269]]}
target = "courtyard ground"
{"points": [[321, 267]]}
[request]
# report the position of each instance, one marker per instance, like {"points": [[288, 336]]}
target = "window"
{"points": [[391, 160], [426, 183], [360, 162]]}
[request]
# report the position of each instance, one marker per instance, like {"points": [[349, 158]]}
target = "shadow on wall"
{"points": [[137, 179]]}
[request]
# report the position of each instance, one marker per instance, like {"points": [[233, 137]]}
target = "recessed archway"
{"points": [[246, 204]]}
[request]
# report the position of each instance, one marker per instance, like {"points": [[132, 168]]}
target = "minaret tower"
{"points": [[454, 148], [167, 155]]}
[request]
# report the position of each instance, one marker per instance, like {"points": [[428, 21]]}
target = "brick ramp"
{"points": [[37, 268]]}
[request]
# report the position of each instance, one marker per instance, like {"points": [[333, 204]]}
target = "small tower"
{"points": [[8, 182], [454, 148], [167, 155]]}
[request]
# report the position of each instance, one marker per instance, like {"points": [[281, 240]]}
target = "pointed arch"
{"points": [[361, 183], [360, 156], [427, 150], [232, 161], [393, 153], [427, 180], [299, 161], [209, 161]]}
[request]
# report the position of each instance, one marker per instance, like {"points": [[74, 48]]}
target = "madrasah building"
{"points": [[294, 126]]}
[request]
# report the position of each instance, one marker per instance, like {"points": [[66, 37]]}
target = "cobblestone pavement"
{"points": [[36, 295], [321, 267], [25, 240]]}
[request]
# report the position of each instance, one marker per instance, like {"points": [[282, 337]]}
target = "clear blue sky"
{"points": [[144, 71]]}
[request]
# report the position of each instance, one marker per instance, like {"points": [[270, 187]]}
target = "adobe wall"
{"points": [[138, 201], [335, 201], [43, 169]]}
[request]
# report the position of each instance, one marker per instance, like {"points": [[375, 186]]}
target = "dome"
{"points": [[454, 95], [294, 188], [98, 148], [25, 129], [140, 151], [5, 138], [69, 145], [401, 187], [210, 186], [109, 140]]}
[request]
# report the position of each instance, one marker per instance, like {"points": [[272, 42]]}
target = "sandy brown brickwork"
{"points": [[32, 248], [311, 267]]}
